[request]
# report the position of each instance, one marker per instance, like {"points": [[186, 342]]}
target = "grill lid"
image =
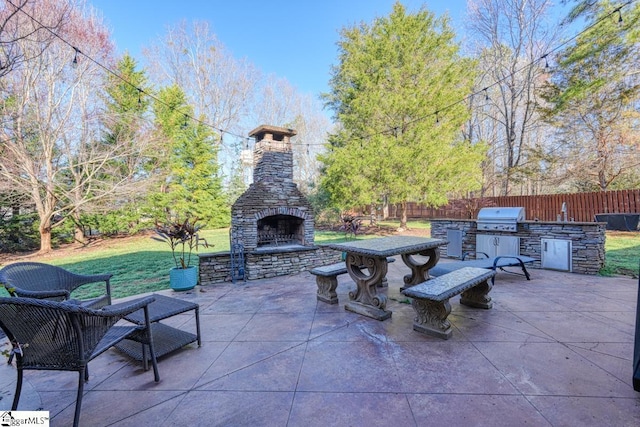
{"points": [[501, 214], [500, 218]]}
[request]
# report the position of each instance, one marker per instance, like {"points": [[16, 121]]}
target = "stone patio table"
{"points": [[366, 262]]}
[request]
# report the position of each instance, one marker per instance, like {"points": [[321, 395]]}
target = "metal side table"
{"points": [[165, 338]]}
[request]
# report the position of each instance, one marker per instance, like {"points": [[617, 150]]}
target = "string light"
{"points": [[77, 51], [513, 72], [75, 56], [75, 62]]}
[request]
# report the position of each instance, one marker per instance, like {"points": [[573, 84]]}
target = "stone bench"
{"points": [[430, 299], [327, 280]]}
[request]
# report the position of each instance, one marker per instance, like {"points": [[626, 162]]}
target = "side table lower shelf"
{"points": [[165, 340]]}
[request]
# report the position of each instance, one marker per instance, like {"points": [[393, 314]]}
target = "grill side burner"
{"points": [[500, 218]]}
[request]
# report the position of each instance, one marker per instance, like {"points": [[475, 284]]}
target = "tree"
{"points": [[396, 93], [40, 122], [193, 187], [595, 97], [510, 38], [125, 124], [218, 86], [51, 129], [14, 18]]}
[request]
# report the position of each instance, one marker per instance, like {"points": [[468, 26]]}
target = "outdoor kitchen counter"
{"points": [[366, 262]]}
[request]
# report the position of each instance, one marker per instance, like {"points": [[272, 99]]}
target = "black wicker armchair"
{"points": [[44, 281], [63, 336]]}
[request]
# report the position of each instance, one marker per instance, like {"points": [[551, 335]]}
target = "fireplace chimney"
{"points": [[272, 156]]}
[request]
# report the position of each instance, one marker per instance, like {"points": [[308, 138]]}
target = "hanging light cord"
{"points": [[389, 130]]}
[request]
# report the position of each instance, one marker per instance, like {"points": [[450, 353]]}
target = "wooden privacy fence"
{"points": [[580, 206]]}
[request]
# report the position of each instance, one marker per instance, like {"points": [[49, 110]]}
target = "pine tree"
{"points": [[192, 186], [396, 93]]}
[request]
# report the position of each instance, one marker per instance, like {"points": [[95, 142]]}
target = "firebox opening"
{"points": [[280, 230]]}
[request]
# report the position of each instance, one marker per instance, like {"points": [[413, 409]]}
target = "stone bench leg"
{"points": [[478, 296], [431, 317], [327, 286]]}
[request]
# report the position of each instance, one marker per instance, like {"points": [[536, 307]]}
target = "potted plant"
{"points": [[183, 239]]}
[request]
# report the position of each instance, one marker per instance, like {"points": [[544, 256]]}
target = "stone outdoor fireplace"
{"points": [[272, 221]]}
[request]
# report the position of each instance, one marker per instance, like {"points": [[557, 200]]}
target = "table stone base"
{"points": [[367, 310]]}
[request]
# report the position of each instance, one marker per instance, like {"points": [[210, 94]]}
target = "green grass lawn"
{"points": [[141, 264], [622, 252]]}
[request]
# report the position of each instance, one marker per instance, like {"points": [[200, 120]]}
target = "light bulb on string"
{"points": [[546, 61], [75, 56]]}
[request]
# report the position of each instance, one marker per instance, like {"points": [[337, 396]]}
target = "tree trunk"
{"points": [[45, 236], [78, 231], [373, 216], [403, 215], [385, 208]]}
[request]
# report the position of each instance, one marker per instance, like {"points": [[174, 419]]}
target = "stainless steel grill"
{"points": [[500, 219]]}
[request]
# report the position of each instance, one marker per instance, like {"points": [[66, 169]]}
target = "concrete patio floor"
{"points": [[553, 351]]}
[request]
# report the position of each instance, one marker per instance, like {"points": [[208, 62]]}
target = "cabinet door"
{"points": [[556, 254], [508, 245], [497, 245], [485, 243]]}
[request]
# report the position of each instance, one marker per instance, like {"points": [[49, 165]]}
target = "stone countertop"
{"points": [[527, 221], [387, 246]]}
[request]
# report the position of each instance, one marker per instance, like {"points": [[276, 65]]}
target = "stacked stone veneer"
{"points": [[587, 239], [216, 267]]}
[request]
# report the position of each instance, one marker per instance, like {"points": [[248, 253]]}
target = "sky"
{"points": [[292, 39]]}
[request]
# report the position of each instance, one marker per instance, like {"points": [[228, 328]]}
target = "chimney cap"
{"points": [[274, 130]]}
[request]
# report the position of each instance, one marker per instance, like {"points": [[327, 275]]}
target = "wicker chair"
{"points": [[44, 281], [63, 336]]}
